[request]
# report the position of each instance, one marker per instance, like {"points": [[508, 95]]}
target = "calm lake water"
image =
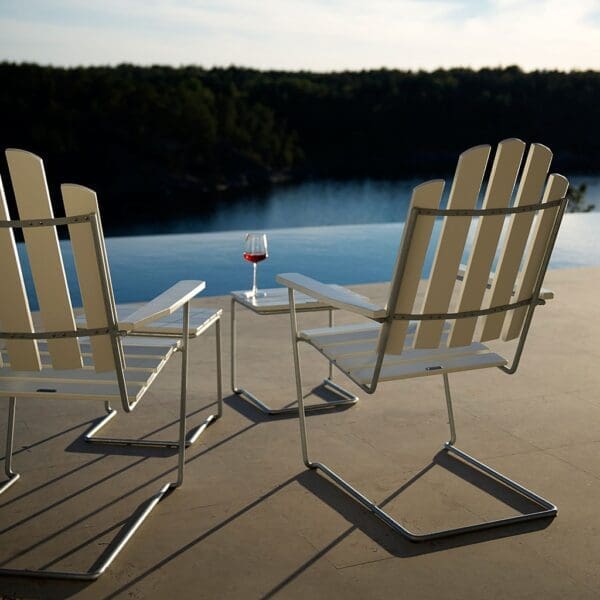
{"points": [[142, 266], [312, 204]]}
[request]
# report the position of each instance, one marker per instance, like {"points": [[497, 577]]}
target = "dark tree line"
{"points": [[172, 137]]}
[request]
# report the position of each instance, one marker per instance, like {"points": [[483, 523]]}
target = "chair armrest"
{"points": [[164, 304], [337, 297], [545, 293]]}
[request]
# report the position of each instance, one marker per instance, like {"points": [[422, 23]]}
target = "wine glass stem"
{"points": [[254, 279]]}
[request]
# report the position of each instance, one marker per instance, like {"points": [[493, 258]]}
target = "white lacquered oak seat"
{"points": [[143, 362], [355, 354], [201, 319], [497, 229]]}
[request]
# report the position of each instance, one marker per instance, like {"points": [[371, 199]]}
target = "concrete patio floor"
{"points": [[251, 522]]}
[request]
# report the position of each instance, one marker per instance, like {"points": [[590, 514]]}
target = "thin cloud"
{"points": [[319, 35]]}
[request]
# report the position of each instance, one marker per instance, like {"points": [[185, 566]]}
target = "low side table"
{"points": [[275, 302]]}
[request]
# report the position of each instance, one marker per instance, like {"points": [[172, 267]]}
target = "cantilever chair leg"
{"points": [[115, 547], [10, 433], [191, 436], [547, 509]]}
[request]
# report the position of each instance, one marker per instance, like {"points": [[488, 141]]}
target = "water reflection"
{"points": [[308, 204]]}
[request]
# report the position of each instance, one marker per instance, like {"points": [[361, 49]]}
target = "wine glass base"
{"points": [[258, 294]]}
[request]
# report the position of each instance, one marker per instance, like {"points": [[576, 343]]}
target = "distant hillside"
{"points": [[172, 137]]}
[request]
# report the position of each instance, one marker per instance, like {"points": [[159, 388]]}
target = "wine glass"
{"points": [[255, 250]]}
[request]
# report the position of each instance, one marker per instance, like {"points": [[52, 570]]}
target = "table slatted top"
{"points": [[275, 301]]}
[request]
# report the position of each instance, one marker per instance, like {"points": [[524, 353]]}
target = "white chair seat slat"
{"points": [[33, 202], [352, 334], [357, 361], [437, 365], [89, 381], [359, 354], [498, 195], [14, 305], [348, 348], [79, 390], [465, 190], [530, 192], [132, 347], [88, 361], [85, 374], [200, 320], [344, 333], [360, 361]]}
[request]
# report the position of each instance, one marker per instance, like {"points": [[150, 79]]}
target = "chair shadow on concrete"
{"points": [[81, 447], [253, 414], [52, 588]]}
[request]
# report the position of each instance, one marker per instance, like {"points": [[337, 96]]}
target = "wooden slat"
{"points": [[349, 348], [448, 364], [339, 329], [133, 347], [361, 351], [85, 383], [530, 192], [426, 195], [33, 202], [337, 297], [545, 293], [79, 200], [498, 194], [556, 188], [328, 336], [163, 305], [14, 305], [464, 194], [132, 363], [200, 319], [353, 362], [69, 390], [432, 355], [88, 375], [339, 335]]}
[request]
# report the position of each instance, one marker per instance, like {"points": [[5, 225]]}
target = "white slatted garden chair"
{"points": [[102, 360], [446, 331]]}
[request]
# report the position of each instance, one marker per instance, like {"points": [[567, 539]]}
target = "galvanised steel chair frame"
{"points": [[387, 318], [177, 297]]}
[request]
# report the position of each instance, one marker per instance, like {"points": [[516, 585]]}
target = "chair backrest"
{"points": [[46, 264], [503, 230]]}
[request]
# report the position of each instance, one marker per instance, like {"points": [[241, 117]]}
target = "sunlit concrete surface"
{"points": [[251, 522]]}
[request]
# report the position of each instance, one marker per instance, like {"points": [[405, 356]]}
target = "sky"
{"points": [[315, 35]]}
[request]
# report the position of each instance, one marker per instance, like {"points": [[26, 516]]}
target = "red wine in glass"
{"points": [[255, 258], [255, 250]]}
